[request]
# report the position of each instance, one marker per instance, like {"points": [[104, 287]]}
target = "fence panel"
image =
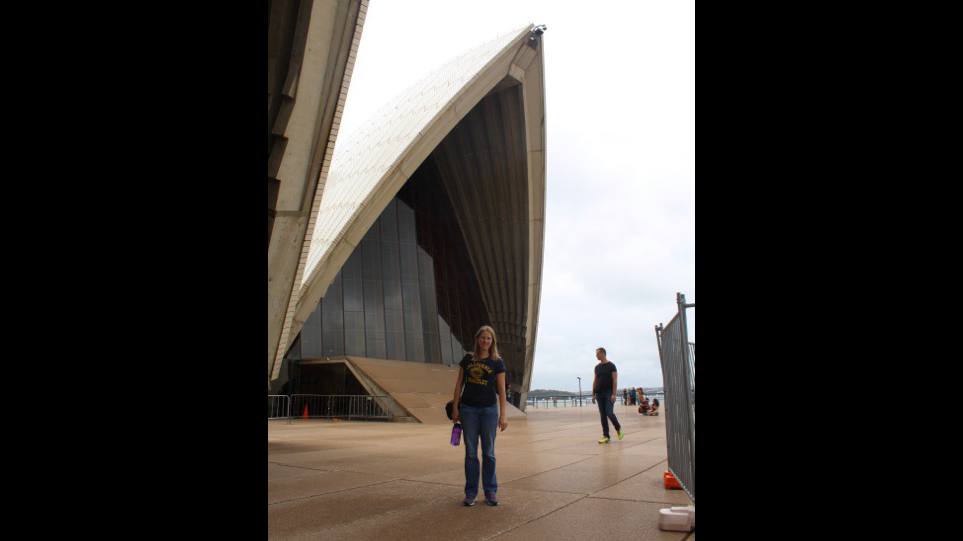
{"points": [[279, 407], [314, 406], [679, 403]]}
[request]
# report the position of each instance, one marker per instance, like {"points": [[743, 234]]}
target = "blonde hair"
{"points": [[492, 351]]}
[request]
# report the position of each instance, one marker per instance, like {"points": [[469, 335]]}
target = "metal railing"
{"points": [[315, 406], [566, 401], [678, 373], [569, 401], [279, 407]]}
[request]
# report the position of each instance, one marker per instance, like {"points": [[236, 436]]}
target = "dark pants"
{"points": [[604, 400]]}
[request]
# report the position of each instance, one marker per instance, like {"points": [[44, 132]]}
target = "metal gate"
{"points": [[678, 375]]}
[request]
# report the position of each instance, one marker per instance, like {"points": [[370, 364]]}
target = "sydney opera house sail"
{"points": [[312, 46], [430, 222]]}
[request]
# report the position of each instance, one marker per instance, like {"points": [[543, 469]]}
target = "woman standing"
{"points": [[480, 407]]}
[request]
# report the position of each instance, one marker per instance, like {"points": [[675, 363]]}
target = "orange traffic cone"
{"points": [[671, 481], [305, 415]]}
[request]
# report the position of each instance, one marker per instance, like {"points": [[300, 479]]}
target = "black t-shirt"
{"points": [[481, 386], [603, 377]]}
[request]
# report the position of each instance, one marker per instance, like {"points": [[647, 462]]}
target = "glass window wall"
{"points": [[407, 292]]}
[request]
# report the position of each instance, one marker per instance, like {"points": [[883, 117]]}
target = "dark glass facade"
{"points": [[407, 292]]}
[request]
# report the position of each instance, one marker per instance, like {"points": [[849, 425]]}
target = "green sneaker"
{"points": [[605, 440], [621, 434]]}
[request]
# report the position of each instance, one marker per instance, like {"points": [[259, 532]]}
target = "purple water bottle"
{"points": [[456, 434]]}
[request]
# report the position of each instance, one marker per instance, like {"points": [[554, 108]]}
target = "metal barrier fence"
{"points": [[678, 374], [279, 407], [315, 406]]}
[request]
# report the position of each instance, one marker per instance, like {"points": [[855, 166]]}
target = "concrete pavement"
{"points": [[400, 481]]}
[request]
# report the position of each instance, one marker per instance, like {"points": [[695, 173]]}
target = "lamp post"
{"points": [[579, 391]]}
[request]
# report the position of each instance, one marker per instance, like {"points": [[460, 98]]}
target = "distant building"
{"points": [[429, 224]]}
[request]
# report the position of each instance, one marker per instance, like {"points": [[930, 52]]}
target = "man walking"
{"points": [[603, 389]]}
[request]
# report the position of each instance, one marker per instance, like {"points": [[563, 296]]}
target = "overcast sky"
{"points": [[620, 140]]}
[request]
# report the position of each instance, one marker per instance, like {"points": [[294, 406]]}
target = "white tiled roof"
{"points": [[366, 159]]}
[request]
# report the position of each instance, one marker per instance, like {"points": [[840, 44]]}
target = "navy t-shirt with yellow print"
{"points": [[481, 387]]}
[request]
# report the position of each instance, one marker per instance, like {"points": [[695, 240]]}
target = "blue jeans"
{"points": [[604, 400], [479, 423]]}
